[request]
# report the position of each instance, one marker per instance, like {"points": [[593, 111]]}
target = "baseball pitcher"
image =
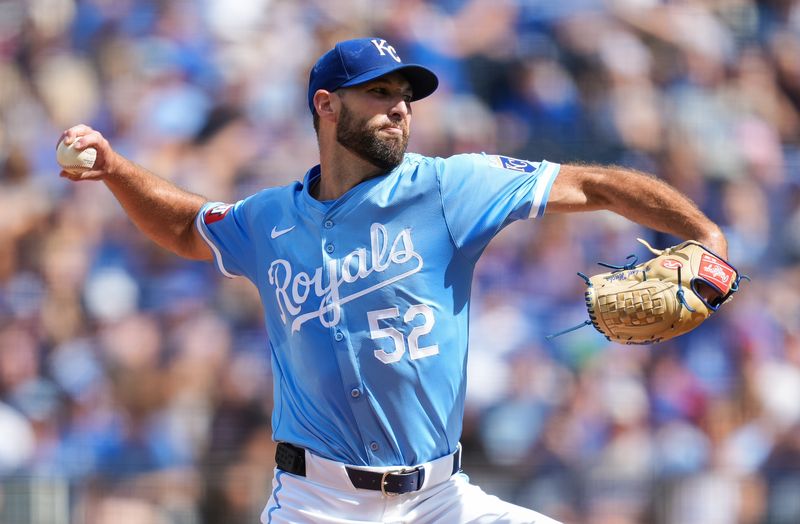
{"points": [[364, 270]]}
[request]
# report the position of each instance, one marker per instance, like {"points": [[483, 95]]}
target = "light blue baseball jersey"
{"points": [[367, 297]]}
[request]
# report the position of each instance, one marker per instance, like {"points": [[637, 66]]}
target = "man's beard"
{"points": [[357, 136]]}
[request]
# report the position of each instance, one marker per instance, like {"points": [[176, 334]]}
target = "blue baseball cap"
{"points": [[354, 62]]}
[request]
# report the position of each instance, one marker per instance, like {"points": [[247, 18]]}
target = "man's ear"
{"points": [[326, 104]]}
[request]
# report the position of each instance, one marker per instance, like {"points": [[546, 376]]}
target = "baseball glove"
{"points": [[667, 296]]}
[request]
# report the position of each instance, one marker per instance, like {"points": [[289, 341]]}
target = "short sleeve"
{"points": [[226, 230], [482, 193]]}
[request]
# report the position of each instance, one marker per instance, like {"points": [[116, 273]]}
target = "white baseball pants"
{"points": [[326, 496]]}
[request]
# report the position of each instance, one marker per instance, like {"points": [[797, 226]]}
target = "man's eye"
{"points": [[379, 90]]}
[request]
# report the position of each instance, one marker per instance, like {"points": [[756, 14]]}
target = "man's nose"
{"points": [[400, 109]]}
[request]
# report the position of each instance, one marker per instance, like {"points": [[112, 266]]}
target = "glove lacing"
{"points": [[630, 265], [625, 267]]}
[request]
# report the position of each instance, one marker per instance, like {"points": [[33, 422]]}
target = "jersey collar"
{"points": [[312, 176], [324, 206]]}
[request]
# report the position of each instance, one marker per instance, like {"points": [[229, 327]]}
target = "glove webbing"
{"points": [[626, 310]]}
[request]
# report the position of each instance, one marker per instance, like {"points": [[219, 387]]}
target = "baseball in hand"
{"points": [[74, 161]]}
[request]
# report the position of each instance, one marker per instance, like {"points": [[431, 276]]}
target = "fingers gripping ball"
{"points": [[75, 161], [660, 299]]}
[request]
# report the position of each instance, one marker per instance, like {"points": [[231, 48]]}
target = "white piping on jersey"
{"points": [[542, 187], [299, 285], [217, 254]]}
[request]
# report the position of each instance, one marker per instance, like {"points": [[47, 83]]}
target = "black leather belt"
{"points": [[292, 459]]}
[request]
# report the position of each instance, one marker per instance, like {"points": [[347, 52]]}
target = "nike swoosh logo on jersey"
{"points": [[276, 232]]}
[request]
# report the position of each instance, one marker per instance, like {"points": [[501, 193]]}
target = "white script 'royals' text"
{"points": [[292, 290]]}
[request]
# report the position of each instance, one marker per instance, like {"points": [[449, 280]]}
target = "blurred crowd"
{"points": [[135, 387]]}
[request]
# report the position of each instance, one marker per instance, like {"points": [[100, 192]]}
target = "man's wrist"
{"points": [[116, 166], [716, 242]]}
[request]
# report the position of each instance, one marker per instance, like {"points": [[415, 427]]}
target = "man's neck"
{"points": [[340, 171]]}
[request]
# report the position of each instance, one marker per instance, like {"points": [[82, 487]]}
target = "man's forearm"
{"points": [[642, 199], [161, 210]]}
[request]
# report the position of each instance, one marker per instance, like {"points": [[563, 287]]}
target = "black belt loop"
{"points": [[292, 459]]}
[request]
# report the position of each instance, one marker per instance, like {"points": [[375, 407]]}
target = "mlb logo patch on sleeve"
{"points": [[513, 164], [216, 213]]}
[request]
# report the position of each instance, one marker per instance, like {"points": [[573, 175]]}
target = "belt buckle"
{"points": [[393, 472]]}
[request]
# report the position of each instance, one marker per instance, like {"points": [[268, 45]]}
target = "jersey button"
{"points": [[328, 224], [329, 248], [374, 446], [338, 336], [355, 393]]}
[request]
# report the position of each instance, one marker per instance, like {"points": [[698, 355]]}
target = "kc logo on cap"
{"points": [[354, 62], [384, 47]]}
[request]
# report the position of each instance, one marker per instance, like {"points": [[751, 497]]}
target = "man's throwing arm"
{"points": [[161, 210], [639, 197]]}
